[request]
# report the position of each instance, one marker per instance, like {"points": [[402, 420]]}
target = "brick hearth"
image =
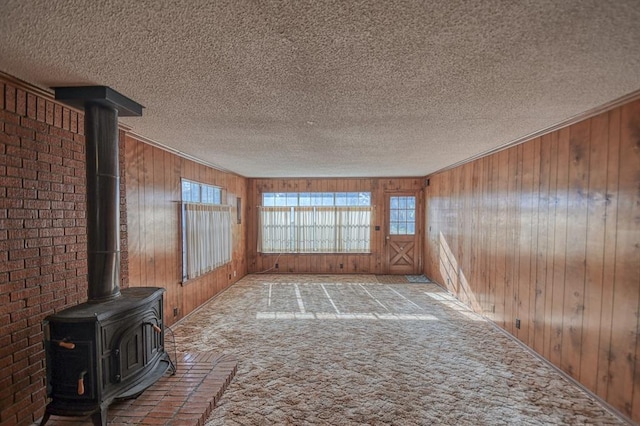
{"points": [[187, 398]]}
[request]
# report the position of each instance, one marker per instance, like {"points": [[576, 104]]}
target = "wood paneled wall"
{"points": [[326, 263], [153, 224], [548, 232]]}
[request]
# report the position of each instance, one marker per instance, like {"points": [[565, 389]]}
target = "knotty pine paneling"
{"points": [[548, 232], [153, 224], [373, 262]]}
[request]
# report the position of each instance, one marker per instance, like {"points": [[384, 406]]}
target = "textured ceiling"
{"points": [[333, 88]]}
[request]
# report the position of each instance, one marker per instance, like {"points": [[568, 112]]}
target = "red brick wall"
{"points": [[42, 238]]}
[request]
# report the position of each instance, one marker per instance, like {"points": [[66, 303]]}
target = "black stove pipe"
{"points": [[103, 201], [102, 106]]}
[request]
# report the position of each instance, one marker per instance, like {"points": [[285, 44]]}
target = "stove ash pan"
{"points": [[100, 352]]}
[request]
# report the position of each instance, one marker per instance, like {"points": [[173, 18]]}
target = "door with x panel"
{"points": [[402, 240]]}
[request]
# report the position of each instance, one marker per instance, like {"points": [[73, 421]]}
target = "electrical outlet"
{"points": [[276, 266], [234, 273], [175, 312], [341, 266], [518, 323]]}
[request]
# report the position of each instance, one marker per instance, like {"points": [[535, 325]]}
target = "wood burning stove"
{"points": [[97, 353], [112, 346]]}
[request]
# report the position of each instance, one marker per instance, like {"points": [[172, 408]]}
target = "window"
{"points": [[316, 199], [206, 229], [194, 192], [402, 219], [315, 222]]}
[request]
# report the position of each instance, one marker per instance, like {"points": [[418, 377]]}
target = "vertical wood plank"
{"points": [[502, 234], [162, 221], [595, 227], [560, 249], [173, 191], [485, 235], [475, 270], [577, 200], [511, 248], [549, 331], [526, 216], [533, 229], [543, 246], [514, 226], [147, 217], [465, 268], [494, 218], [132, 158], [609, 256]]}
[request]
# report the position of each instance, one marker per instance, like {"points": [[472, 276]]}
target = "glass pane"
{"points": [[402, 215], [327, 199], [316, 199], [186, 191], [281, 199], [411, 202], [305, 199], [402, 202], [394, 215], [195, 192], [292, 199], [393, 229], [394, 202], [217, 199], [269, 199], [411, 228], [353, 198], [365, 198], [341, 198], [402, 228], [207, 194]]}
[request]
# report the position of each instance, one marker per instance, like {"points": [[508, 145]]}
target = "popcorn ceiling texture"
{"points": [[333, 88]]}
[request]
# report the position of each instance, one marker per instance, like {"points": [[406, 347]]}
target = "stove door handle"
{"points": [[81, 382], [67, 345]]}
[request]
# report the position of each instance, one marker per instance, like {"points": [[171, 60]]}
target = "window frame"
{"points": [[402, 212], [214, 196], [340, 203]]}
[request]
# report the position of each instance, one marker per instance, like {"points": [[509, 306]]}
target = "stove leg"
{"points": [[45, 418], [99, 418]]}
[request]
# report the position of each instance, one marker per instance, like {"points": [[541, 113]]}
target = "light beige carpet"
{"points": [[348, 350]]}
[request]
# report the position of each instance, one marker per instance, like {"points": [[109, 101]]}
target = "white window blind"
{"points": [[334, 229], [208, 237]]}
